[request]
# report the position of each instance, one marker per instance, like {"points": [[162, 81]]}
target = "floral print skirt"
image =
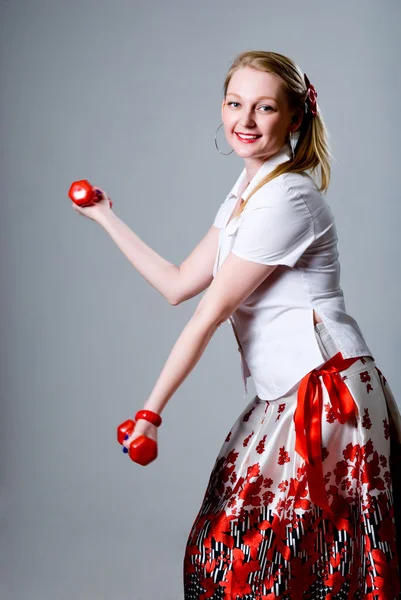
{"points": [[304, 498]]}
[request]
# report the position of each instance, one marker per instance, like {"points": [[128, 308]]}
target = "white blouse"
{"points": [[287, 222]]}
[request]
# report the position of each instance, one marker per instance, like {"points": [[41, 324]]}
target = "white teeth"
{"points": [[248, 137]]}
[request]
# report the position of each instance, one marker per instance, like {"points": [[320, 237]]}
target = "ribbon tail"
{"points": [[314, 469]]}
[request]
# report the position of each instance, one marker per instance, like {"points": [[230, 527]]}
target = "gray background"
{"points": [[127, 94]]}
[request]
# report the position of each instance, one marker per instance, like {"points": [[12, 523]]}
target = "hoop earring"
{"points": [[215, 143]]}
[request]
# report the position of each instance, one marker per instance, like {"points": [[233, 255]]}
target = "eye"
{"points": [[264, 106]]}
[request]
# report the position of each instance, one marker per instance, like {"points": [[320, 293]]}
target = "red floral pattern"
{"points": [[258, 536]]}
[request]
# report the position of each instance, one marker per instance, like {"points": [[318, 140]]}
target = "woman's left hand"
{"points": [[142, 427]]}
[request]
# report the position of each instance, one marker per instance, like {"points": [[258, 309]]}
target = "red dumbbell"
{"points": [[142, 450], [82, 193]]}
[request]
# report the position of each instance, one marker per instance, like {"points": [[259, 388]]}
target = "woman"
{"points": [[300, 501]]}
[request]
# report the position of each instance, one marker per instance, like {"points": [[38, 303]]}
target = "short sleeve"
{"points": [[220, 218], [275, 230]]}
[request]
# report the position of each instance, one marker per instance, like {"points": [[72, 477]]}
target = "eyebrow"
{"points": [[258, 98]]}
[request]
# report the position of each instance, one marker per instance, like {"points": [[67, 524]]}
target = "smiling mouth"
{"points": [[247, 137]]}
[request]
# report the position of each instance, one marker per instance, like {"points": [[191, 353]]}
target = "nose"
{"points": [[247, 119]]}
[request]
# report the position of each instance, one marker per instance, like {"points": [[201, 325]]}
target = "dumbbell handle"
{"points": [[82, 193], [142, 450]]}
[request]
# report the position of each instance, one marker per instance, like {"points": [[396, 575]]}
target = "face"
{"points": [[255, 104]]}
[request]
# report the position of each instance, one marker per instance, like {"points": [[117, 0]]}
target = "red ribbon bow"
{"points": [[308, 419], [311, 96]]}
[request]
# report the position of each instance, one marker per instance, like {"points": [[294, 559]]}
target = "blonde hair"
{"points": [[312, 149]]}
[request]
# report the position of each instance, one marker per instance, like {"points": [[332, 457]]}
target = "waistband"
{"points": [[329, 349]]}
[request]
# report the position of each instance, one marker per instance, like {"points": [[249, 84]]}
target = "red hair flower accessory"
{"points": [[311, 96]]}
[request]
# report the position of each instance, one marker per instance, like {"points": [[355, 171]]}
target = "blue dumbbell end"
{"points": [[125, 450]]}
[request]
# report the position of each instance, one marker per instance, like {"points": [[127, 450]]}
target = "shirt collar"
{"points": [[270, 163]]}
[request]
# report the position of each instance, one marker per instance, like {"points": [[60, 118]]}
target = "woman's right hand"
{"points": [[95, 211], [142, 427]]}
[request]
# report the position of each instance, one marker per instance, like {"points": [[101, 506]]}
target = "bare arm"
{"points": [[175, 283], [196, 272]]}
